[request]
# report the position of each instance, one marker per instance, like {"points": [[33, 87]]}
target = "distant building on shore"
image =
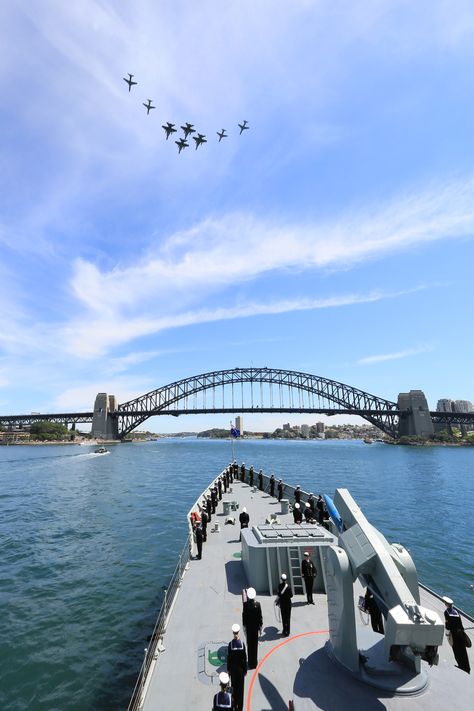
{"points": [[239, 424]]}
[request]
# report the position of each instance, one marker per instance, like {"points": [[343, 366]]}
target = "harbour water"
{"points": [[88, 542]]}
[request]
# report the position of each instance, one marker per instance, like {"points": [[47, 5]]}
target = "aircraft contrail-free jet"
{"points": [[200, 139], [188, 128], [243, 126], [129, 81], [148, 106], [181, 144], [169, 129], [222, 134]]}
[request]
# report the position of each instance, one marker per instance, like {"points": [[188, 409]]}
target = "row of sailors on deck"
{"points": [[313, 509]]}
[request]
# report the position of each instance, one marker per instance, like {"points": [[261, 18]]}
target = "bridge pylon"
{"points": [[104, 426], [415, 420]]}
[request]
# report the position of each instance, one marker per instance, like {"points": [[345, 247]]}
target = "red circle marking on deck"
{"points": [[268, 654]]}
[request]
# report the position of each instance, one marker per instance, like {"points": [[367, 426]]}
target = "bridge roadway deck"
{"points": [[296, 667]]}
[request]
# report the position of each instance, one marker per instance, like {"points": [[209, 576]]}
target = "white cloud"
{"points": [[89, 339], [237, 248], [408, 353]]}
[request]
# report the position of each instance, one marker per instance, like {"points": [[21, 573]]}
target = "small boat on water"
{"points": [[367, 440], [101, 450]]}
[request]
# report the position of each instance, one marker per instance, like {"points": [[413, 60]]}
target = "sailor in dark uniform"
{"points": [[244, 519], [251, 476], [260, 480], [374, 611], [284, 596], [242, 472], [252, 620], [308, 514], [204, 520], [237, 667], [223, 698], [231, 473], [199, 539], [280, 490], [209, 508], [224, 481], [297, 515], [320, 507], [297, 495], [308, 571], [312, 503], [272, 485], [219, 488], [236, 469], [453, 624], [214, 498]]}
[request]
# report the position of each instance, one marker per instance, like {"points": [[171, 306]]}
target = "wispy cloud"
{"points": [[408, 353], [91, 339]]}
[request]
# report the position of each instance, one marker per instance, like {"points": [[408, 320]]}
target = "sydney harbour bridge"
{"points": [[255, 390]]}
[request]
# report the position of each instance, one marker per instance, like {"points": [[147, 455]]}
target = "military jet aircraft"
{"points": [[188, 128], [129, 81], [169, 129], [148, 106], [222, 134], [200, 138], [181, 144], [243, 126]]}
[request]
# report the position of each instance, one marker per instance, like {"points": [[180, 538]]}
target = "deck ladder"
{"points": [[294, 565]]}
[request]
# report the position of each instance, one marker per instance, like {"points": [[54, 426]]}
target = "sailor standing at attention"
{"points": [[199, 539], [204, 521], [284, 596], [308, 571], [252, 620], [298, 495], [260, 480], [453, 624], [244, 519], [237, 667], [251, 476], [242, 472], [272, 485], [223, 699], [280, 490]]}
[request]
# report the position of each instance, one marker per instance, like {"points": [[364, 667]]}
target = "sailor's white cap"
{"points": [[297, 506], [235, 628], [306, 553], [251, 592], [283, 576], [306, 504], [244, 510], [224, 678], [298, 487], [447, 600]]}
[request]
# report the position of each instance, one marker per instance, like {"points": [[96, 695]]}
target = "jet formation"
{"points": [[187, 128]]}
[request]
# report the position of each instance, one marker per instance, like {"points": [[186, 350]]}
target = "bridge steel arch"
{"points": [[164, 401]]}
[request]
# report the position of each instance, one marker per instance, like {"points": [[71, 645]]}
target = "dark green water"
{"points": [[88, 542]]}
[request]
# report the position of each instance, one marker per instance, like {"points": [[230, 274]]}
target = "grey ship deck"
{"points": [[290, 668]]}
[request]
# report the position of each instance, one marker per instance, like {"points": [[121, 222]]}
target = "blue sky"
{"points": [[334, 237]]}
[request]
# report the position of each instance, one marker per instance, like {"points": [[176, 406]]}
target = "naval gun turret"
{"points": [[412, 632]]}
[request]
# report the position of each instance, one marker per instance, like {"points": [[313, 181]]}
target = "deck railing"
{"points": [[156, 639]]}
